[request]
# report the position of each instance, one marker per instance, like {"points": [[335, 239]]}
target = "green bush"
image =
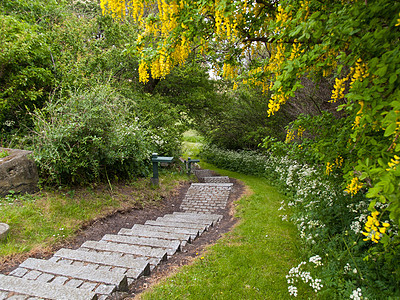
{"points": [[90, 136], [25, 71], [330, 223]]}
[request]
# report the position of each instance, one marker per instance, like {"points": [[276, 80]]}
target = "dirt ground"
{"points": [[126, 219]]}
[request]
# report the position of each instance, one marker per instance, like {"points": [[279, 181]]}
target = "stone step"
{"points": [[157, 234], [171, 246], [82, 272], [199, 217], [138, 251], [203, 173], [181, 219], [42, 290], [216, 179], [171, 223], [136, 266], [192, 232], [211, 184]]}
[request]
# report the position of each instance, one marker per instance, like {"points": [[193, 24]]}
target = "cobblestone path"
{"points": [[100, 268]]}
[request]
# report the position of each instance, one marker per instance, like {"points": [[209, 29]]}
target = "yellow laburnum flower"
{"points": [[329, 168], [398, 21], [354, 186], [300, 131], [374, 230], [338, 89], [143, 74], [359, 72]]}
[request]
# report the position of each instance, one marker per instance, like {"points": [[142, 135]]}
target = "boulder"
{"points": [[18, 172], [4, 228]]}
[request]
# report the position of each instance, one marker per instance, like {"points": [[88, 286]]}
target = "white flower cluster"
{"points": [[356, 294], [297, 273], [347, 268], [292, 290], [316, 259]]}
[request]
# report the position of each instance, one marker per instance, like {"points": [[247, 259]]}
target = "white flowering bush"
{"points": [[331, 223]]}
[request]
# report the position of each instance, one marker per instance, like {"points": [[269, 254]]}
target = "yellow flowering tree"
{"points": [[274, 45]]}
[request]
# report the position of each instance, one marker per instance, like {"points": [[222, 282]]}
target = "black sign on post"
{"points": [[155, 160]]}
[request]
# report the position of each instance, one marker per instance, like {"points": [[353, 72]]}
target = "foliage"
{"points": [[90, 136], [245, 261], [25, 74], [4, 153], [330, 224], [162, 122], [279, 43]]}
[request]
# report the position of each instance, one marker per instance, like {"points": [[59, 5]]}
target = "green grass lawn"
{"points": [[250, 262], [38, 222], [192, 144]]}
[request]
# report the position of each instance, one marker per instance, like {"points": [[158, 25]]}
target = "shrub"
{"points": [[89, 136], [330, 224]]}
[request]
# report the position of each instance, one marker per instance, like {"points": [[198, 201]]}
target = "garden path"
{"points": [[102, 269]]}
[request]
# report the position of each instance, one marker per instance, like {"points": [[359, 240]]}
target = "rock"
{"points": [[3, 231], [17, 172]]}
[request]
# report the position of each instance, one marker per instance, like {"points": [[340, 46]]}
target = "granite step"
{"points": [[216, 179], [101, 281], [211, 184], [170, 223], [170, 246], [9, 285], [184, 238], [192, 232], [180, 219], [138, 251], [82, 272], [134, 267], [205, 219]]}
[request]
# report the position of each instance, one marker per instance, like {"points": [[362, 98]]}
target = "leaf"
{"points": [[381, 71], [393, 78], [390, 129]]}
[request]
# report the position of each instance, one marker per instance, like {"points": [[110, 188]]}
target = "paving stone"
{"points": [[42, 289], [88, 286], [105, 289], [112, 259], [45, 277], [74, 283], [193, 233], [3, 295], [59, 280], [105, 268], [32, 275], [156, 234], [18, 297], [18, 272], [171, 246], [83, 273], [161, 254]]}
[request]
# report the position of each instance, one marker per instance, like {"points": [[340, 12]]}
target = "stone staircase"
{"points": [[99, 268]]}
